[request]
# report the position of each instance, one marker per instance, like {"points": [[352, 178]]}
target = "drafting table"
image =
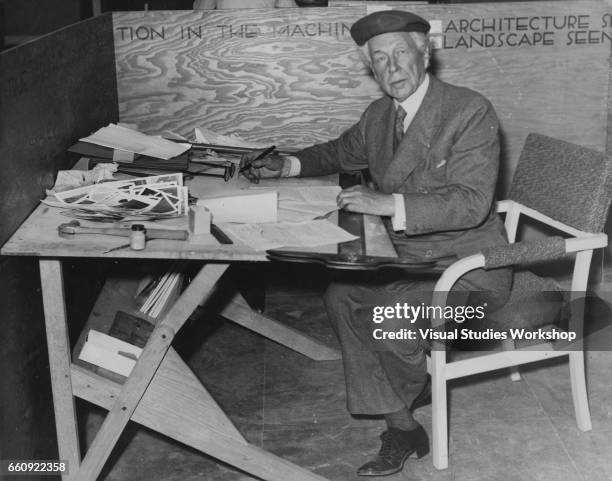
{"points": [[161, 392]]}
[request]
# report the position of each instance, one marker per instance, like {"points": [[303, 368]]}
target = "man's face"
{"points": [[398, 64]]}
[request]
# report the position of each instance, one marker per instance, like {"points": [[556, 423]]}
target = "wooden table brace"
{"points": [[144, 397]]}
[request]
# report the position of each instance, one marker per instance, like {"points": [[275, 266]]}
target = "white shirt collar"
{"points": [[412, 103]]}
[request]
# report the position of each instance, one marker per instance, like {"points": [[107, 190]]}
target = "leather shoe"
{"points": [[397, 446], [424, 397]]}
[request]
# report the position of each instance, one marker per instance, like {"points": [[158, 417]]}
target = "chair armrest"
{"points": [[540, 250], [524, 252], [504, 255], [509, 254]]}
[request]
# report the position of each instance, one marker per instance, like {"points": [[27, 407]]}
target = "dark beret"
{"points": [[387, 21]]}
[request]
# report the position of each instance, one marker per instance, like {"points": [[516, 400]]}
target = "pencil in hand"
{"points": [[261, 155]]}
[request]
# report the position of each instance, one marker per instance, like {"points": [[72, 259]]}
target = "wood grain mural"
{"points": [[294, 77]]}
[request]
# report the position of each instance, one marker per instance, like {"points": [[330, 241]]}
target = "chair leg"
{"points": [[579, 390], [439, 415], [576, 357], [508, 345]]}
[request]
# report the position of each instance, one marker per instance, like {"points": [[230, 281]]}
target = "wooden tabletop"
{"points": [[38, 236]]}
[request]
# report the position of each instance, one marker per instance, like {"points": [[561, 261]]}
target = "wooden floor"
{"points": [[295, 407]]}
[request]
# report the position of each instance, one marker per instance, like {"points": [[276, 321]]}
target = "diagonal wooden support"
{"points": [[182, 407], [238, 311], [198, 291], [177, 405]]}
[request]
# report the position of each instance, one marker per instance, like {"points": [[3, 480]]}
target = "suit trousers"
{"points": [[385, 375]]}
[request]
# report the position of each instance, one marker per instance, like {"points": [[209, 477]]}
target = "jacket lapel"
{"points": [[381, 146], [416, 142]]}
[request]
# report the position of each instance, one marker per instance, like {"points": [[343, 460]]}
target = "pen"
{"points": [[265, 152]]}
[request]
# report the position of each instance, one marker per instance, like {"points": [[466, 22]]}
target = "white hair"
{"points": [[421, 40]]}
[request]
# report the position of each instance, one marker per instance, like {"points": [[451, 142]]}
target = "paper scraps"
{"points": [[70, 179], [151, 197]]}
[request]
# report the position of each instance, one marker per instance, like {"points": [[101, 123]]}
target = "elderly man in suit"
{"points": [[432, 150]]}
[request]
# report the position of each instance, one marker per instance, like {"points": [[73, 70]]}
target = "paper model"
{"points": [[143, 197]]}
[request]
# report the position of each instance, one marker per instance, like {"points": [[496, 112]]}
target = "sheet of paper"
{"points": [[252, 206], [287, 234], [111, 343], [122, 138], [110, 353], [299, 204]]}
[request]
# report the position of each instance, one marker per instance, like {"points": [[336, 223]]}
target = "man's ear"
{"points": [[427, 56]]}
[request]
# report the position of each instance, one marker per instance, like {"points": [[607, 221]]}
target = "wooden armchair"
{"points": [[566, 187]]}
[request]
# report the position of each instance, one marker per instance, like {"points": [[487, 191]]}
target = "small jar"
{"points": [[138, 237]]}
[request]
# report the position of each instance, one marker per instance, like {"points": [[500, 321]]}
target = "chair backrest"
{"points": [[565, 181]]}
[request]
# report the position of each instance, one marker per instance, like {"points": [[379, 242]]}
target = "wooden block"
{"points": [[199, 220]]}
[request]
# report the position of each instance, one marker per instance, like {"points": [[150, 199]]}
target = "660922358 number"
{"points": [[41, 467]]}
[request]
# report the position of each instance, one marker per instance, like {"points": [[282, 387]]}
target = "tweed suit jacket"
{"points": [[446, 167]]}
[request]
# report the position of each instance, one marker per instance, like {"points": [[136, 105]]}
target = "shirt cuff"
{"points": [[398, 220], [292, 167]]}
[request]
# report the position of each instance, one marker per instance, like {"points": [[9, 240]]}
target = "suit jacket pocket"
{"points": [[429, 177]]}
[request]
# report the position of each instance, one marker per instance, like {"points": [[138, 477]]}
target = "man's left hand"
{"points": [[364, 200]]}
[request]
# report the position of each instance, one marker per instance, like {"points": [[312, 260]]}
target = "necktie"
{"points": [[400, 115]]}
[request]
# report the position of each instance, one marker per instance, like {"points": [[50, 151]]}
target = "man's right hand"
{"points": [[269, 167]]}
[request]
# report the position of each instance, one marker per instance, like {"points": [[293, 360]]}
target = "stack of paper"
{"points": [[262, 237], [124, 139], [163, 292]]}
